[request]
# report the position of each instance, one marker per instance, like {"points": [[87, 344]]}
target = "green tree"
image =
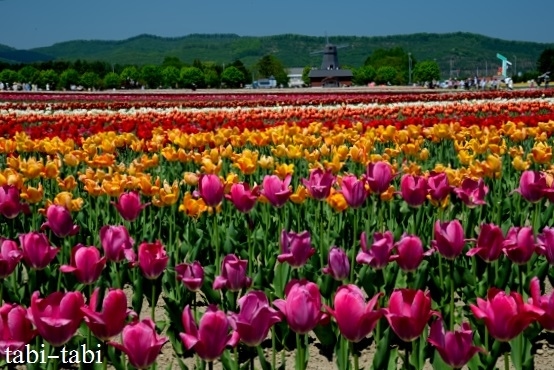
{"points": [[245, 72], [9, 76], [269, 66], [427, 71], [29, 74], [192, 76], [364, 75], [130, 76], [306, 75], [151, 75], [69, 77], [112, 80], [172, 62], [90, 80], [394, 57], [545, 63], [211, 78], [232, 77], [48, 77], [386, 75], [170, 76]]}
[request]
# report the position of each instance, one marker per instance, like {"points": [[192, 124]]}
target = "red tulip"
{"points": [[545, 243], [141, 343], [16, 330], [233, 274], [489, 243], [378, 254], [117, 243], [10, 255], [296, 248], [58, 316], [413, 189], [112, 318], [455, 347], [86, 264], [449, 238], [37, 251], [353, 190], [355, 318], [276, 190], [211, 189], [211, 337], [152, 259], [191, 274], [129, 205], [379, 176], [545, 302], [339, 265], [10, 205], [532, 186], [302, 306], [243, 197], [439, 188], [59, 220], [519, 244], [255, 318], [410, 253], [472, 192], [505, 315], [319, 183], [408, 313]]}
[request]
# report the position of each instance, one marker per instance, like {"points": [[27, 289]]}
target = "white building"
{"points": [[295, 77]]}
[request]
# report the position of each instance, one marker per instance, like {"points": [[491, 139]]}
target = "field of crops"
{"points": [[416, 224]]}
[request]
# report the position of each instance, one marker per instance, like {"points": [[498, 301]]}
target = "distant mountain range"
{"points": [[453, 51]]}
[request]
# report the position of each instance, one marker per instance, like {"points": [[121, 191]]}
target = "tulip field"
{"points": [[383, 230]]}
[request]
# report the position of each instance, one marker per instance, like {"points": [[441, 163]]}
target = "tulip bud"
{"points": [[339, 266], [296, 248], [85, 264], [191, 274], [233, 274], [10, 255], [152, 259], [129, 205], [37, 251], [59, 220], [319, 183]]}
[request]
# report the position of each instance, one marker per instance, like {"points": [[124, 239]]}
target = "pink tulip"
{"points": [[243, 198], [37, 251], [489, 243], [276, 191], [117, 243], [141, 343], [152, 259], [413, 189], [211, 189], [233, 274], [455, 347], [112, 318], [545, 303], [16, 330], [296, 248], [545, 245], [319, 183], [254, 319], [439, 188], [505, 315], [410, 253], [85, 264], [339, 266], [356, 318], [408, 313], [10, 255], [532, 186], [472, 192], [191, 274], [129, 205], [302, 306], [10, 205], [519, 244], [449, 238], [58, 316], [353, 191], [379, 176], [59, 220], [378, 254], [213, 335]]}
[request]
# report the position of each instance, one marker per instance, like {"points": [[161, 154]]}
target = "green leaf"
{"points": [[438, 363], [385, 357]]}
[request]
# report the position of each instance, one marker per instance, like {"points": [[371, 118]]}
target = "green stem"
{"points": [[273, 350], [300, 362], [407, 356], [216, 242], [211, 365], [153, 303], [451, 295], [322, 248], [236, 357], [354, 356], [353, 258], [250, 248], [104, 355], [506, 361]]}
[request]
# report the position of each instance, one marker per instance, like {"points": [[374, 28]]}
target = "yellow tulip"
{"points": [[337, 201], [33, 195]]}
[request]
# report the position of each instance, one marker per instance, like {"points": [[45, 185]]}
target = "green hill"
{"points": [[456, 51]]}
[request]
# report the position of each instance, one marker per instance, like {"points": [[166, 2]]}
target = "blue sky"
{"points": [[33, 23]]}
